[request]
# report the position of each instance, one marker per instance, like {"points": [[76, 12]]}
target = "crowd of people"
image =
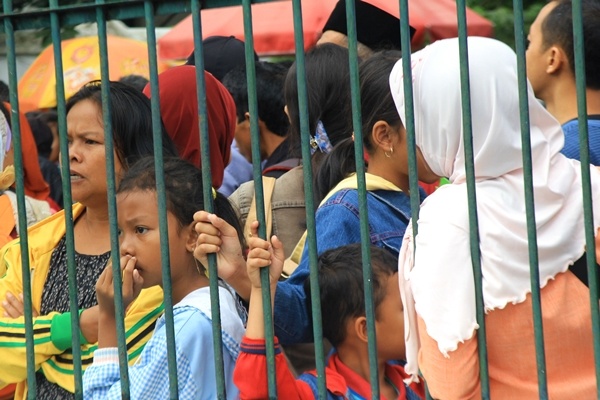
{"points": [[424, 291]]}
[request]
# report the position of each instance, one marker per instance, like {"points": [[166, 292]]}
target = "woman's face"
{"points": [[87, 157]]}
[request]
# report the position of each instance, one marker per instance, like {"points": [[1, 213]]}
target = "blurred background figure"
{"points": [[36, 210], [137, 81], [375, 29], [221, 55], [273, 123], [48, 149], [179, 113], [35, 184]]}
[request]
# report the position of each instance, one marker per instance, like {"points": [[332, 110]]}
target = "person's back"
{"points": [[551, 70]]}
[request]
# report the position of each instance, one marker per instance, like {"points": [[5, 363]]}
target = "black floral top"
{"points": [[55, 297]]}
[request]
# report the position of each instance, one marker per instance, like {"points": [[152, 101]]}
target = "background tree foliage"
{"points": [[500, 12]]}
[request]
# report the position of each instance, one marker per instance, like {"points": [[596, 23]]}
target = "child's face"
{"points": [[137, 217], [390, 323]]}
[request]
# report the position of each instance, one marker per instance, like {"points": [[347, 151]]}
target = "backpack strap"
{"points": [[286, 165], [268, 188]]}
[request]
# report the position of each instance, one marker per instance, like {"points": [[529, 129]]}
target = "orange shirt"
{"points": [[512, 365]]}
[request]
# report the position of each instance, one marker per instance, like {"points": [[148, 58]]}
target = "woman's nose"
{"points": [[74, 152]]}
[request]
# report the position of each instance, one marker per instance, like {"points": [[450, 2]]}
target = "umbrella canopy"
{"points": [[273, 27], [81, 64]]}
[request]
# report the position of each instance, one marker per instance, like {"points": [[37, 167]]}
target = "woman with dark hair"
{"points": [[328, 92], [337, 218], [132, 139]]}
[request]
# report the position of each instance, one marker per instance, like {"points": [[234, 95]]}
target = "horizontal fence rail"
{"points": [[55, 16]]}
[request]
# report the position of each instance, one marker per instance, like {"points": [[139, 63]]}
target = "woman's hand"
{"points": [[132, 286], [14, 307], [264, 254]]}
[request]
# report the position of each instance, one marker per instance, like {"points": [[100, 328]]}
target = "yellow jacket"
{"points": [[52, 332]]}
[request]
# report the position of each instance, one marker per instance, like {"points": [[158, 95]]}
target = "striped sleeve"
{"points": [[13, 351], [140, 320]]}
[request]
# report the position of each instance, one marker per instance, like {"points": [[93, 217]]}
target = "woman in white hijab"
{"points": [[436, 278]]}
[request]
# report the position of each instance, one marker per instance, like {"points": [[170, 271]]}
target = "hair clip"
{"points": [[320, 141]]}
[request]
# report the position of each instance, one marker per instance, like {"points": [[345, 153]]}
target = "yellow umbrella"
{"points": [[81, 64]]}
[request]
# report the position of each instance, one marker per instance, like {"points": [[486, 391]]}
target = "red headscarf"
{"points": [[179, 112], [35, 185]]}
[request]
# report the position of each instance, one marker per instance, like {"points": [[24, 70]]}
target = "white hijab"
{"points": [[437, 279]]}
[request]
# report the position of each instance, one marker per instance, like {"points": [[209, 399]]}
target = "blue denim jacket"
{"points": [[338, 224]]}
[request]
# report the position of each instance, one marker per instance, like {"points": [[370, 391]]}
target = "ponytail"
{"points": [[334, 167]]}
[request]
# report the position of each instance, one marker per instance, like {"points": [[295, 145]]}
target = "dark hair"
{"points": [[136, 81], [328, 93], [376, 104], [557, 29], [269, 93], [131, 120], [4, 91], [183, 187], [41, 132], [51, 116], [341, 286]]}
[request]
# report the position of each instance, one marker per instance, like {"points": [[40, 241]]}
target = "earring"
{"points": [[389, 155]]}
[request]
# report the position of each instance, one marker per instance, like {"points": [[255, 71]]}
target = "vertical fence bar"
{"points": [[415, 200], [529, 200], [112, 205], [259, 195], [592, 267], [413, 180], [20, 182], [66, 185], [208, 199], [471, 196], [162, 200], [362, 198], [311, 240]]}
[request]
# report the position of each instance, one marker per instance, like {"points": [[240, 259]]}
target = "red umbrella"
{"points": [[273, 26]]}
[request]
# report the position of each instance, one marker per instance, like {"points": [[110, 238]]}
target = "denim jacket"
{"points": [[338, 224]]}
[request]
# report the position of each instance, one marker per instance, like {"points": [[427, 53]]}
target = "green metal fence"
{"points": [[56, 16]]}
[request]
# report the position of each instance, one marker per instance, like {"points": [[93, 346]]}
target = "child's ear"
{"points": [[191, 238], [360, 328]]}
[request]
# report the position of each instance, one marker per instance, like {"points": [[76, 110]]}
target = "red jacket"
{"points": [[250, 376]]}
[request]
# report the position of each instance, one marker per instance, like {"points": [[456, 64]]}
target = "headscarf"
{"points": [[179, 111], [437, 280], [35, 185]]}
